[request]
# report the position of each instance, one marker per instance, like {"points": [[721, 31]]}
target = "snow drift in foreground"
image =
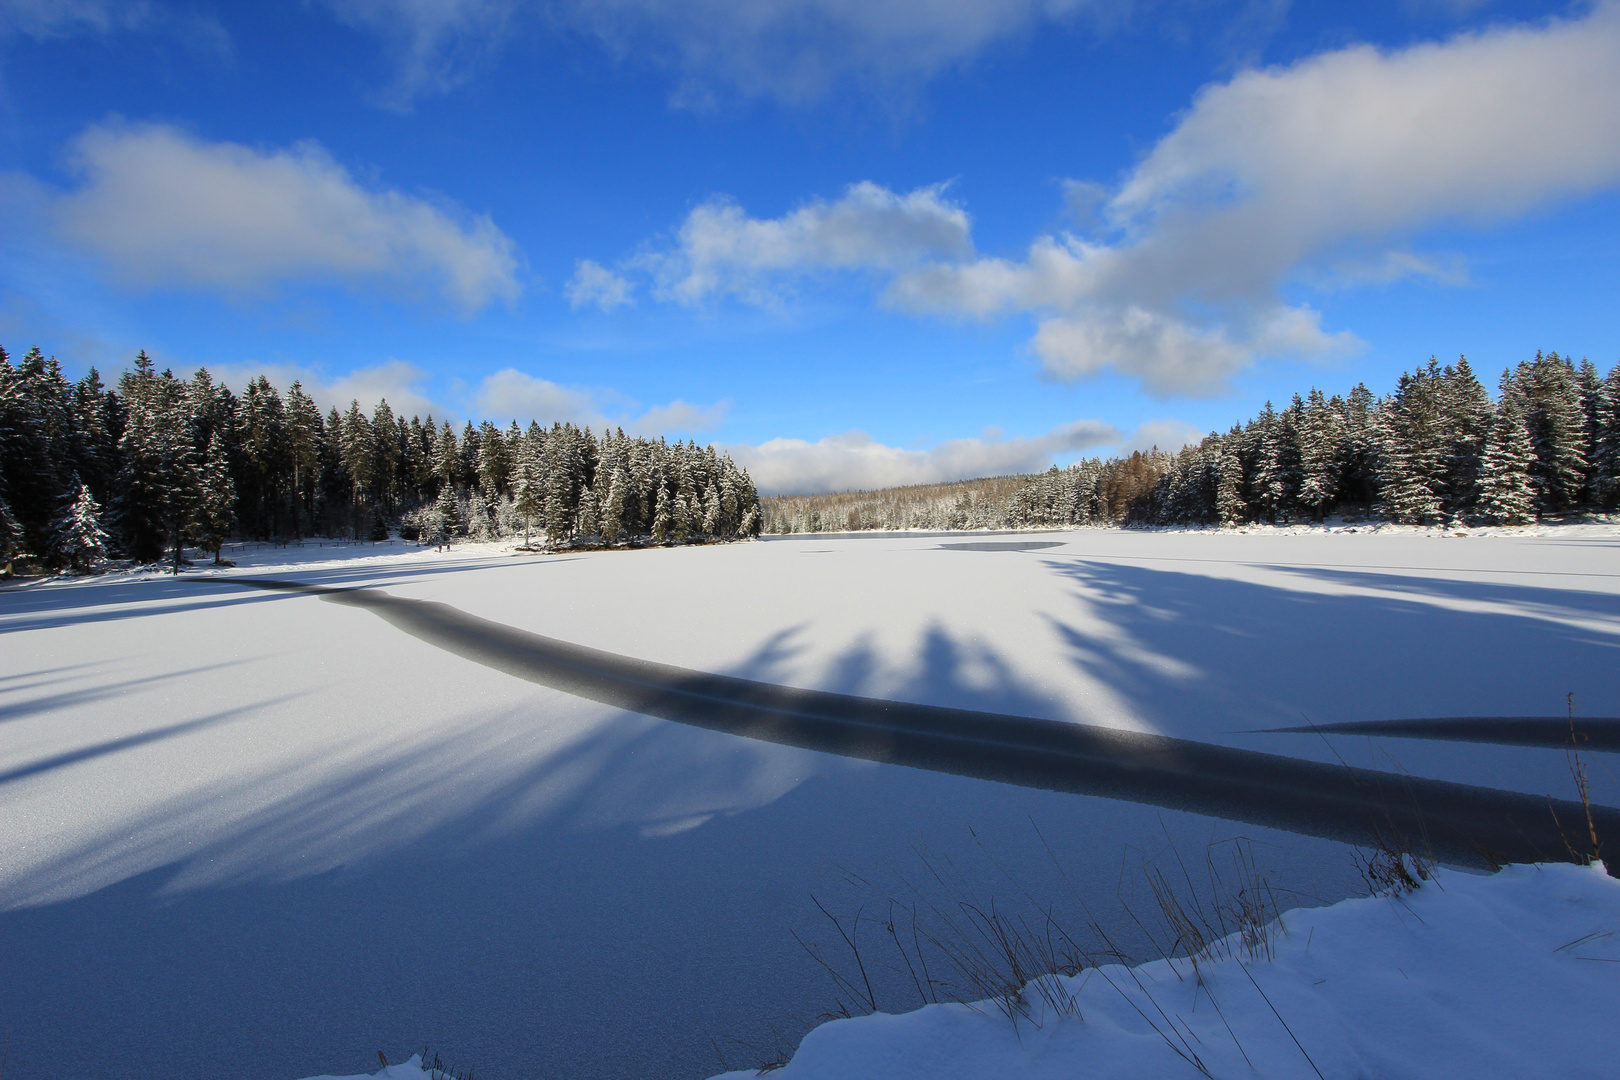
{"points": [[1512, 974], [1515, 974]]}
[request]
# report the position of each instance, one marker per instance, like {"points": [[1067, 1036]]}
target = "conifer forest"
{"points": [[1438, 450], [158, 463]]}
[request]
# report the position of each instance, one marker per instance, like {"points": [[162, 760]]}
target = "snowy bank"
{"points": [[1511, 974], [1514, 974]]}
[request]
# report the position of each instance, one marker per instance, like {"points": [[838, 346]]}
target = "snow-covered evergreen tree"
{"points": [[216, 503], [1557, 426], [1467, 417], [1412, 448], [1230, 508], [10, 539], [1322, 441], [1506, 493]]}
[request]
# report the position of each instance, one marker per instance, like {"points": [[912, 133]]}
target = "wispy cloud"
{"points": [[796, 51], [434, 45], [164, 208], [53, 19]]}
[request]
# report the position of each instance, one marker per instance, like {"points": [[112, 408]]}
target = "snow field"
{"points": [[235, 822]]}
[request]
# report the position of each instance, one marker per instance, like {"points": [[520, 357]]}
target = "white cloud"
{"points": [[680, 416], [164, 208], [720, 250], [1163, 434], [400, 383], [1271, 176], [512, 394], [854, 461], [594, 283]]}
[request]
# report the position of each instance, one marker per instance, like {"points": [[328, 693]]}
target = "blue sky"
{"points": [[858, 242]]}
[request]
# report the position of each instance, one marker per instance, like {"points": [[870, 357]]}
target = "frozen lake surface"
{"points": [[256, 834]]}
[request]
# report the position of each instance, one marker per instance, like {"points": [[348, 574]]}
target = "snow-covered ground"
{"points": [[1502, 976], [261, 829]]}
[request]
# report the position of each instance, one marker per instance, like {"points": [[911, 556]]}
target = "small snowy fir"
{"points": [[77, 540]]}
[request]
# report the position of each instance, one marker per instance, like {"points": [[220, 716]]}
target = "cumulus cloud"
{"points": [[1271, 176], [164, 208], [513, 394], [854, 461], [720, 250], [680, 416], [596, 285]]}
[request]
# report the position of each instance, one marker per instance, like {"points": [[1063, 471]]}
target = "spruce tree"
{"points": [[663, 517], [77, 540], [216, 504], [1557, 426], [10, 539], [446, 516], [1322, 439], [1507, 496], [1467, 419], [1606, 449], [1230, 509], [304, 431]]}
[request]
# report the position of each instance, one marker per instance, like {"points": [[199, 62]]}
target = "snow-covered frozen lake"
{"points": [[256, 834]]}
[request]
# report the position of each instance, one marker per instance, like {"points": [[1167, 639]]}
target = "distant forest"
{"points": [[1437, 450], [158, 463]]}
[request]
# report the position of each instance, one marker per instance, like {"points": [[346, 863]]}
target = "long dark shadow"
{"points": [[1460, 823], [1553, 732]]}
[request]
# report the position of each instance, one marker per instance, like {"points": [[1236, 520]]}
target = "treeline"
{"points": [[960, 504], [1437, 450], [161, 462]]}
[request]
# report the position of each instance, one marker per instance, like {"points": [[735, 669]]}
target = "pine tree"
{"points": [[613, 513], [663, 517], [10, 539], [529, 496], [1606, 448], [446, 517], [1507, 496], [1229, 505], [1467, 419], [1322, 439], [216, 504], [304, 436], [1411, 448], [590, 514], [1557, 426], [159, 480], [387, 453]]}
